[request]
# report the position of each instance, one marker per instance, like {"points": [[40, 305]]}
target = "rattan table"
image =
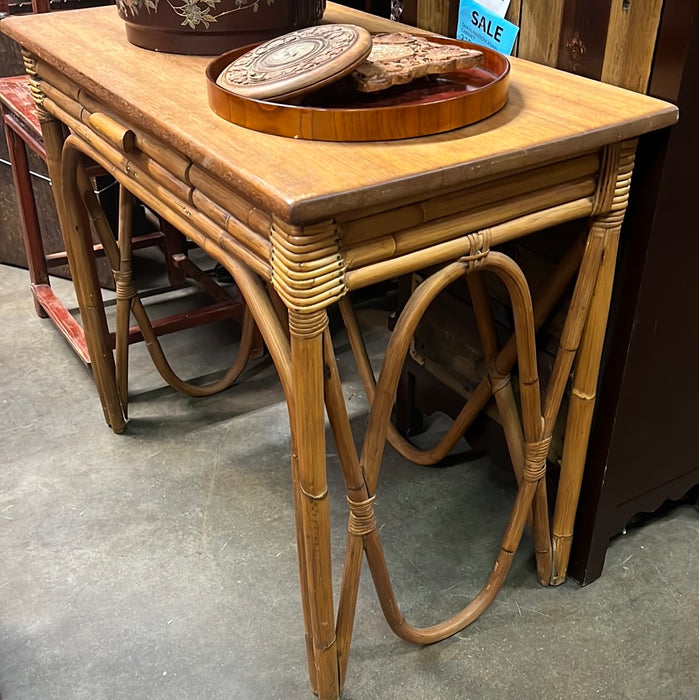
{"points": [[313, 221]]}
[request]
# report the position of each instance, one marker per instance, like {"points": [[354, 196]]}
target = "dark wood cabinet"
{"points": [[644, 445]]}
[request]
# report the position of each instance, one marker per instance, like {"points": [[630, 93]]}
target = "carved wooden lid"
{"points": [[298, 62]]}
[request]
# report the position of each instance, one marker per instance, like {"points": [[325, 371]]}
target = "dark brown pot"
{"points": [[210, 27]]}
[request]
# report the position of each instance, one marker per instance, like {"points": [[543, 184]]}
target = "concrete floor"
{"points": [[161, 563]]}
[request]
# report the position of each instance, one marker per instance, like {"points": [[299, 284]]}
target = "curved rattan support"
{"points": [[259, 309], [532, 438], [396, 350], [506, 357], [361, 477], [534, 469], [127, 302], [167, 373], [528, 447]]}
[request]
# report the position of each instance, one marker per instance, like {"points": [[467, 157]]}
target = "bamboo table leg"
{"points": [[78, 241], [308, 428], [612, 199], [307, 276], [276, 338], [63, 166]]}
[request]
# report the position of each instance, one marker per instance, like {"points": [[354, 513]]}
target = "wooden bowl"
{"points": [[338, 113], [209, 27]]}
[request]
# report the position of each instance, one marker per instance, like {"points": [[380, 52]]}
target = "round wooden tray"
{"points": [[337, 113]]}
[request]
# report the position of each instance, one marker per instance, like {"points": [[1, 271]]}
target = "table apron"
{"points": [[313, 266]]}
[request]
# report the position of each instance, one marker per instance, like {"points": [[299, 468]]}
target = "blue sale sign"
{"points": [[479, 25]]}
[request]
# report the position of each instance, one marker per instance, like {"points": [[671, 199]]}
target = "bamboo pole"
{"points": [[360, 226], [307, 421], [501, 386], [201, 229], [55, 77], [450, 250], [138, 172], [125, 293], [510, 419], [441, 229], [110, 129], [79, 249], [220, 193], [580, 411], [258, 244], [303, 573], [536, 438], [358, 498], [75, 229], [586, 372]]}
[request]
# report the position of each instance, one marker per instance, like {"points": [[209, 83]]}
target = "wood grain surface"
{"points": [[628, 55], [549, 115], [540, 29], [435, 15]]}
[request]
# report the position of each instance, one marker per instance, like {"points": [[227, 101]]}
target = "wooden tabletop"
{"points": [[550, 114]]}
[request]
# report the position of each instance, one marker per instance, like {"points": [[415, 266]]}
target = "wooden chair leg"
{"points": [[29, 218], [175, 245]]}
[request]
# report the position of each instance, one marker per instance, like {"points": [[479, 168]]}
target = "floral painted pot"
{"points": [[211, 27]]}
